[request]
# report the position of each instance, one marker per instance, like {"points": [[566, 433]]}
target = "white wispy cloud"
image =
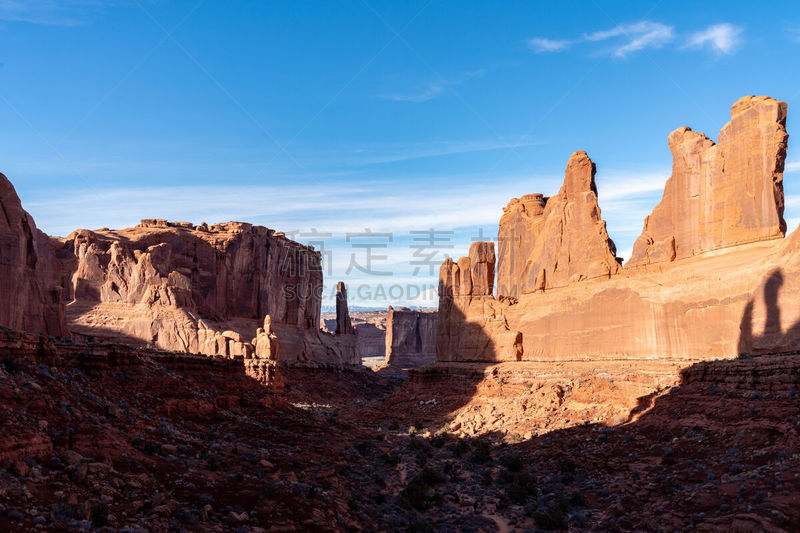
{"points": [[50, 12], [635, 37], [626, 39], [541, 44], [429, 91], [624, 185], [791, 166], [722, 38]]}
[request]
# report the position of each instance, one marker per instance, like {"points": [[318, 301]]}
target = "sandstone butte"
{"points": [[229, 289], [410, 337], [711, 276]]}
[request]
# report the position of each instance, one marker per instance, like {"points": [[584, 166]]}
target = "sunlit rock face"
{"points": [[723, 194], [709, 277], [551, 242], [202, 289]]}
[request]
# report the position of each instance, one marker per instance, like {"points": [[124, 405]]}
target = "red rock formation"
{"points": [[343, 324], [31, 298], [471, 323], [725, 197], [551, 242], [410, 337], [722, 194], [203, 289]]}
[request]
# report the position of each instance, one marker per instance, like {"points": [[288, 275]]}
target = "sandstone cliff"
{"points": [[31, 298], [721, 194], [201, 289], [737, 298], [471, 323], [410, 337], [551, 242]]}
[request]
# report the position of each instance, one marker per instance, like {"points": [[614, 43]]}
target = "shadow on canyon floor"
{"points": [[718, 451]]}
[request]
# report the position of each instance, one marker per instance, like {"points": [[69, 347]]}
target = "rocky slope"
{"points": [[112, 438]]}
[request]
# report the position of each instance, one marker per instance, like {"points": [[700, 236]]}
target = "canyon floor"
{"points": [[107, 438]]}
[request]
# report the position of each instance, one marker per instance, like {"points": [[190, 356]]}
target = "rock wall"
{"points": [[471, 322], [31, 296], [738, 297], [410, 337], [203, 289], [722, 194], [552, 242]]}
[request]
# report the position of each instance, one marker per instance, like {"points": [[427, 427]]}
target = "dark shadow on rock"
{"points": [[773, 339]]}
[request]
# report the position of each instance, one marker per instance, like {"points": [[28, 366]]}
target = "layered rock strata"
{"points": [[203, 289], [410, 337], [734, 298]]}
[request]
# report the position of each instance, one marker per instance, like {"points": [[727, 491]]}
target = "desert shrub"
{"points": [[460, 447], [420, 525], [577, 499], [512, 463], [554, 516], [481, 452], [518, 486], [362, 447], [421, 458], [416, 493], [439, 439], [430, 476], [391, 459]]}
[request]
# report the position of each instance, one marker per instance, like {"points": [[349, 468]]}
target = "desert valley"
{"points": [[176, 376]]}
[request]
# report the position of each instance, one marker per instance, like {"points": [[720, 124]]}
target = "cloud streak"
{"points": [[626, 39], [541, 44], [50, 12], [635, 37], [429, 91], [721, 38]]}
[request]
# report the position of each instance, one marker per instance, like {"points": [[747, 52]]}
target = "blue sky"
{"points": [[343, 116]]}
